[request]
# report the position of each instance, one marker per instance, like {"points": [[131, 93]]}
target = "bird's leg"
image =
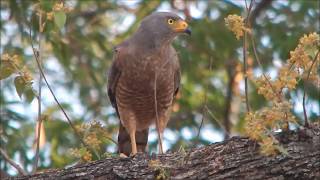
{"points": [[160, 143], [133, 142]]}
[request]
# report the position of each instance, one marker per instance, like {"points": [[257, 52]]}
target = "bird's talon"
{"points": [[132, 155], [121, 155]]}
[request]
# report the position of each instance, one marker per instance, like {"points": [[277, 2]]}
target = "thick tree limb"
{"points": [[236, 158]]}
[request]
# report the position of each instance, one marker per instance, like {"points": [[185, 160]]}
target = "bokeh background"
{"points": [[76, 60]]}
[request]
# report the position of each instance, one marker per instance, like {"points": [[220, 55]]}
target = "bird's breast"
{"points": [[135, 88]]}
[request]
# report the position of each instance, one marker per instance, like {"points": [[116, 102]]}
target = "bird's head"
{"points": [[164, 25]]}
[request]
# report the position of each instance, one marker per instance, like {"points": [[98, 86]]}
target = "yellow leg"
{"points": [[133, 143], [160, 143]]}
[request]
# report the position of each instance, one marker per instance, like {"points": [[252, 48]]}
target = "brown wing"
{"points": [[177, 72], [113, 77], [124, 145], [177, 77]]}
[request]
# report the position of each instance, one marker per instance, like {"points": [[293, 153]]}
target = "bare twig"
{"points": [[156, 111], [245, 70], [11, 162], [36, 55], [249, 10], [259, 63], [306, 122], [245, 55], [186, 158], [216, 119], [38, 133], [228, 101], [205, 100]]}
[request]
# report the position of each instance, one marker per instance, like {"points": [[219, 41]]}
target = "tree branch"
{"points": [[36, 55], [236, 158], [39, 123], [205, 101], [11, 162], [231, 79], [245, 54]]}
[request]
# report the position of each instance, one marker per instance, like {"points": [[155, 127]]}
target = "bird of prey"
{"points": [[144, 78]]}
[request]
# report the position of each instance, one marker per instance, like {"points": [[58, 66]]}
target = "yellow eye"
{"points": [[170, 21]]}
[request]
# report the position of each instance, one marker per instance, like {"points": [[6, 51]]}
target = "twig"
{"points": [[228, 99], [156, 111], [55, 98], [249, 9], [259, 63], [11, 162], [38, 133], [245, 71], [205, 100], [306, 122], [245, 55], [186, 158], [216, 119]]}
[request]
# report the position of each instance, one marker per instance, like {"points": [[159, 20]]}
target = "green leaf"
{"points": [[6, 69], [46, 5], [20, 85], [29, 93], [5, 72], [24, 88], [60, 19]]}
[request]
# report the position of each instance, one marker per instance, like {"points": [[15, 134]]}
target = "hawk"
{"points": [[144, 78]]}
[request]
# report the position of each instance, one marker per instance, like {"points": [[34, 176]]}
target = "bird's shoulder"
{"points": [[120, 50]]}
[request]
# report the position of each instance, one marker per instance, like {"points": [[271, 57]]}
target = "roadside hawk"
{"points": [[144, 78]]}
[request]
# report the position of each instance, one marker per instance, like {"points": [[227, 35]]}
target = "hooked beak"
{"points": [[181, 26], [188, 31]]}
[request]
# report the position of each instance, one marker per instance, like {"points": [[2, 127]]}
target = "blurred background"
{"points": [[76, 59]]}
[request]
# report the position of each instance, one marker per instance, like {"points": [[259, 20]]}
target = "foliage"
{"points": [[261, 124], [77, 42], [235, 23], [95, 136], [10, 65]]}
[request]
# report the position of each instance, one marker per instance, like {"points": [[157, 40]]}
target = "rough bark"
{"points": [[236, 158]]}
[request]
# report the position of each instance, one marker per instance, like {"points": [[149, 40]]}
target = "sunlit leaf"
{"points": [[6, 69], [5, 72], [311, 51], [60, 19]]}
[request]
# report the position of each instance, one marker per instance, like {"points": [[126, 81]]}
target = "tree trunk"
{"points": [[236, 158]]}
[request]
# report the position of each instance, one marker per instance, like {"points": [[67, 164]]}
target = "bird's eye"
{"points": [[170, 21]]}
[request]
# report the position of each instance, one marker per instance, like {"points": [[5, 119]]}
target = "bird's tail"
{"points": [[124, 143]]}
